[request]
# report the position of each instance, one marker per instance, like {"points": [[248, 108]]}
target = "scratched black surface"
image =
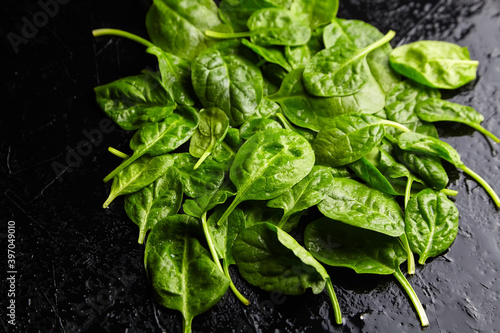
{"points": [[79, 266]]}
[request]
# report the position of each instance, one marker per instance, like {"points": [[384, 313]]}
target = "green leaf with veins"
{"points": [[359, 205], [209, 134], [154, 202], [431, 223], [181, 270]]}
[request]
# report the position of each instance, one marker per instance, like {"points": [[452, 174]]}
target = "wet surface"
{"points": [[79, 267]]}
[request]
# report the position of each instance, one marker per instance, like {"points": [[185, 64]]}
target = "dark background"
{"points": [[79, 267]]}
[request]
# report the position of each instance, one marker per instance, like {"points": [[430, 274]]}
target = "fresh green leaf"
{"points": [[431, 223], [154, 202], [181, 270], [135, 101], [272, 54], [359, 205], [253, 126], [435, 64], [138, 174]]}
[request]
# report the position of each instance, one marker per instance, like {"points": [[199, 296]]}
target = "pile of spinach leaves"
{"points": [[262, 111]]}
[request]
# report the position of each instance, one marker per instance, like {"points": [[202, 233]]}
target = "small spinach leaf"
{"points": [[431, 223], [272, 54], [435, 64], [209, 134], [153, 203], [139, 174]]}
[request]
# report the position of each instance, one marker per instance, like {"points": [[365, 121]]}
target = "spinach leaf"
{"points": [[401, 103], [435, 109], [347, 138], [161, 138], [272, 54], [138, 174], [313, 112], [209, 134], [365, 170], [431, 223], [272, 26], [196, 207], [203, 181], [234, 14], [435, 64], [271, 259], [177, 26], [425, 144], [253, 126], [365, 251], [154, 202], [223, 79], [181, 270], [299, 56], [428, 168], [362, 34], [134, 101], [356, 204], [175, 76], [307, 193], [268, 164], [340, 71]]}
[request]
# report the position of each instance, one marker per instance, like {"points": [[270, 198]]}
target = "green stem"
{"points": [[285, 122], [202, 159], [122, 166], [413, 297], [121, 33], [395, 124], [227, 35], [335, 303], [409, 254], [484, 131], [283, 220], [483, 183], [187, 325], [386, 39], [233, 287], [450, 193], [211, 246], [118, 153], [409, 183], [229, 209]]}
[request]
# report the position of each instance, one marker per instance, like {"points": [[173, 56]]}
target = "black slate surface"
{"points": [[78, 266]]}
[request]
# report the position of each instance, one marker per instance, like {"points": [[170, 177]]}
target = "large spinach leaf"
{"points": [[134, 101], [181, 270]]}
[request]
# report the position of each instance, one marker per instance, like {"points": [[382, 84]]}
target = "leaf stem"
{"points": [[483, 183], [227, 35], [187, 325], [211, 246], [118, 153], [229, 209], [413, 297], [394, 124], [335, 303], [202, 159], [409, 254], [121, 33], [387, 38], [233, 287], [450, 193], [409, 183], [122, 166], [484, 131], [285, 122]]}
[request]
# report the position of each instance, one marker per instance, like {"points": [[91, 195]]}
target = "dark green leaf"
{"points": [[431, 223], [253, 126]]}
